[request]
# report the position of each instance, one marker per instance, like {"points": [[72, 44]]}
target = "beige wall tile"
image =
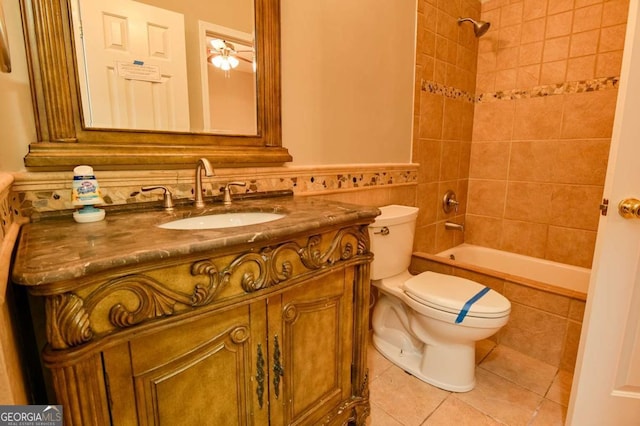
{"points": [[580, 161], [507, 58], [425, 239], [582, 68], [585, 43], [557, 6], [427, 153], [493, 121], [483, 231], [576, 206], [486, 197], [608, 64], [431, 114], [453, 125], [486, 82], [571, 246], [553, 72], [615, 12], [428, 202], [511, 14], [533, 30], [527, 238], [536, 333], [537, 118], [534, 9], [534, 298], [509, 36], [530, 53], [576, 310], [530, 202], [506, 79], [588, 115], [612, 38], [528, 76], [556, 49], [403, 195], [532, 161], [587, 18], [570, 350], [489, 160], [560, 24]]}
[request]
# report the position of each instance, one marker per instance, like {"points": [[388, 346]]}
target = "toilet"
{"points": [[427, 324]]}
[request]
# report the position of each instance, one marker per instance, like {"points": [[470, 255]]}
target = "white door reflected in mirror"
{"points": [[143, 66]]}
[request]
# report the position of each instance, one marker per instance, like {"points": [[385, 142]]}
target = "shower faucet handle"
{"points": [[449, 202]]}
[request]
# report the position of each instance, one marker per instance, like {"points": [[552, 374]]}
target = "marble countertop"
{"points": [[60, 249]]}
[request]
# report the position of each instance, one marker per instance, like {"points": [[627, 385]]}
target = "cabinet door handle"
{"points": [[278, 370], [260, 376]]}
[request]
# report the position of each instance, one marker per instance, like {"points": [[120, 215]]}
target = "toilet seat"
{"points": [[450, 294]]}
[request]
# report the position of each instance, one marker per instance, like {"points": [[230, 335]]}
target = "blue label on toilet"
{"points": [[470, 302]]}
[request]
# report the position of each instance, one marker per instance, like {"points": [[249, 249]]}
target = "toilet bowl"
{"points": [[427, 324]]}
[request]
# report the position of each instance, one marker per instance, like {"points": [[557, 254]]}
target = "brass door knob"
{"points": [[629, 208]]}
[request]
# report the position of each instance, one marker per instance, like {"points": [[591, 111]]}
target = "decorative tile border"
{"points": [[565, 88], [40, 193], [446, 91], [568, 87]]}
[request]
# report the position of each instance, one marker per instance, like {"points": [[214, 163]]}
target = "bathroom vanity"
{"points": [[249, 325]]}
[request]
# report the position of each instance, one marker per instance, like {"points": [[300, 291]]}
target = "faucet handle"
{"points": [[167, 196], [226, 198]]}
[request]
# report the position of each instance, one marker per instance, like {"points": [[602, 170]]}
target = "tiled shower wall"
{"points": [[546, 91], [443, 115]]}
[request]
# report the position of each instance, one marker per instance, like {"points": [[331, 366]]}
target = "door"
{"points": [[606, 386], [311, 333], [202, 371], [133, 66]]}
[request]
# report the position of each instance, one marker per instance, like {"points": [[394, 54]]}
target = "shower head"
{"points": [[479, 27]]}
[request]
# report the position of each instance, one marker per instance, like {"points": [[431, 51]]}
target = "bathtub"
{"points": [[554, 277]]}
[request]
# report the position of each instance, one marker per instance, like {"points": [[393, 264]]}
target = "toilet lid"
{"points": [[453, 294]]}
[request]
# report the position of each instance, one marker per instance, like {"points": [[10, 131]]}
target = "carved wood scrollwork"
{"points": [[68, 321], [68, 315]]}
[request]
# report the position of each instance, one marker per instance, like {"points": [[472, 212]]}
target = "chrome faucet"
{"points": [[454, 226], [208, 171]]}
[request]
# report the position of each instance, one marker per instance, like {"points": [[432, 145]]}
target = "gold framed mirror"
{"points": [[5, 57], [64, 141]]}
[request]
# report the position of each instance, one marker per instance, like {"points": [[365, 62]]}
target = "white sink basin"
{"points": [[222, 220]]}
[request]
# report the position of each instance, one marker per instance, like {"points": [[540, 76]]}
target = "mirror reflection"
{"points": [[163, 65]]}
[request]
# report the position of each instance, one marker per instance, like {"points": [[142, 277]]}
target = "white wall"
{"points": [[17, 128], [347, 80]]}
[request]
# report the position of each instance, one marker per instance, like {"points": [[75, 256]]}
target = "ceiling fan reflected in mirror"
{"points": [[225, 55]]}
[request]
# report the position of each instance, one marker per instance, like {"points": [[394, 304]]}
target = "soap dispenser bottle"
{"points": [[85, 192]]}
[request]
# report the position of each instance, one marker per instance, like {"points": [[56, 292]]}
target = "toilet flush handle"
{"points": [[383, 231]]}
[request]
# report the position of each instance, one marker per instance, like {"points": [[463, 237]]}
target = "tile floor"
{"points": [[512, 389]]}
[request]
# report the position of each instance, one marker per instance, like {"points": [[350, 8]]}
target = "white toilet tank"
{"points": [[392, 240]]}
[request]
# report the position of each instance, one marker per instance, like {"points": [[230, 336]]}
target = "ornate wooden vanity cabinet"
{"points": [[268, 332]]}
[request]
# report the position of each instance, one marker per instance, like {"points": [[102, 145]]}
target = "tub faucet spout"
{"points": [[454, 226]]}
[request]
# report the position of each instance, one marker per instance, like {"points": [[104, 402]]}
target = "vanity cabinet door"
{"points": [[310, 338], [200, 371]]}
